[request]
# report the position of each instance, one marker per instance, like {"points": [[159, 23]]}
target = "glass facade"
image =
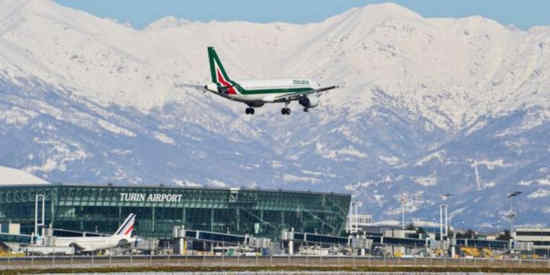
{"points": [[237, 211]]}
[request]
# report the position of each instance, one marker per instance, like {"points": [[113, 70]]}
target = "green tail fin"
{"points": [[219, 76], [216, 67]]}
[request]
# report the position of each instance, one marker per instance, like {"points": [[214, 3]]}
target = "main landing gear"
{"points": [[285, 111], [249, 111]]}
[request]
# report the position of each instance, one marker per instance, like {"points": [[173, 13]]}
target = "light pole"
{"points": [[356, 215], [403, 200], [512, 215], [353, 219], [444, 217], [349, 225]]}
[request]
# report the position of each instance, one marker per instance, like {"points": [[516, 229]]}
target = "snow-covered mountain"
{"points": [[430, 106], [10, 176]]}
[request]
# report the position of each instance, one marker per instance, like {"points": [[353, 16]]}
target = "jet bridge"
{"points": [[220, 239], [15, 238]]}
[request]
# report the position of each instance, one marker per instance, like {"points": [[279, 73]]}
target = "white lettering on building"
{"points": [[156, 197]]}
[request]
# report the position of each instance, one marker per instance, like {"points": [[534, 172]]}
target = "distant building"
{"points": [[400, 233], [362, 223], [492, 236], [357, 222], [539, 237]]}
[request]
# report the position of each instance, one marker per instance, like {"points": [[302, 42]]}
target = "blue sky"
{"points": [[140, 13]]}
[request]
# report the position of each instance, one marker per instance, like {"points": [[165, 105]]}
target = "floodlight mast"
{"points": [[356, 216], [444, 217], [353, 219], [512, 214], [403, 200]]}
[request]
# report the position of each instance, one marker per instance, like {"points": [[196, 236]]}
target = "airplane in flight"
{"points": [[256, 93], [123, 235]]}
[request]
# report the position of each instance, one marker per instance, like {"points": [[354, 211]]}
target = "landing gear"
{"points": [[249, 111], [306, 110], [285, 111]]}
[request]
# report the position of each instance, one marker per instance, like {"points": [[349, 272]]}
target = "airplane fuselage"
{"points": [[86, 244], [266, 91]]}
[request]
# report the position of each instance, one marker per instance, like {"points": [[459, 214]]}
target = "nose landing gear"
{"points": [[249, 111]]}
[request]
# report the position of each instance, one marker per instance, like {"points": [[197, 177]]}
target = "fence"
{"points": [[243, 261]]}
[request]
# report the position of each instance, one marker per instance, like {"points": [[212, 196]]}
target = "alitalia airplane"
{"points": [[256, 93]]}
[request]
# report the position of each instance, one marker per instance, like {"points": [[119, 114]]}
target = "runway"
{"points": [[300, 262]]}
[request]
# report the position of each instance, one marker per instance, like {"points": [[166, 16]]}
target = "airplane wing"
{"points": [[198, 87], [296, 96], [325, 89]]}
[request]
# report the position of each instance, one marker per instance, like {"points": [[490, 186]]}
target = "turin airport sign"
{"points": [[156, 197]]}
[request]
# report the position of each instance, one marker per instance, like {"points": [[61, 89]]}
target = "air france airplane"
{"points": [[90, 244], [256, 93]]}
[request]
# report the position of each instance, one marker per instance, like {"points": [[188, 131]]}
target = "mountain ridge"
{"points": [[430, 106]]}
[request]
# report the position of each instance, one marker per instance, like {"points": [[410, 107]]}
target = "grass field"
{"points": [[106, 264]]}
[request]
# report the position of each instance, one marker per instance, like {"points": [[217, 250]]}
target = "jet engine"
{"points": [[310, 101]]}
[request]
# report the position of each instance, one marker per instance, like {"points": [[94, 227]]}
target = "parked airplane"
{"points": [[123, 235], [256, 93]]}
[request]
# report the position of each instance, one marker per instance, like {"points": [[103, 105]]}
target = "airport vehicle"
{"points": [[122, 236], [256, 93]]}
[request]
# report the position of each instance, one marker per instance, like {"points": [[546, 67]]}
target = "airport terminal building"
{"points": [[101, 208]]}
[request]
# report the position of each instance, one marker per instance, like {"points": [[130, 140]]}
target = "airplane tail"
{"points": [[126, 228], [218, 73]]}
